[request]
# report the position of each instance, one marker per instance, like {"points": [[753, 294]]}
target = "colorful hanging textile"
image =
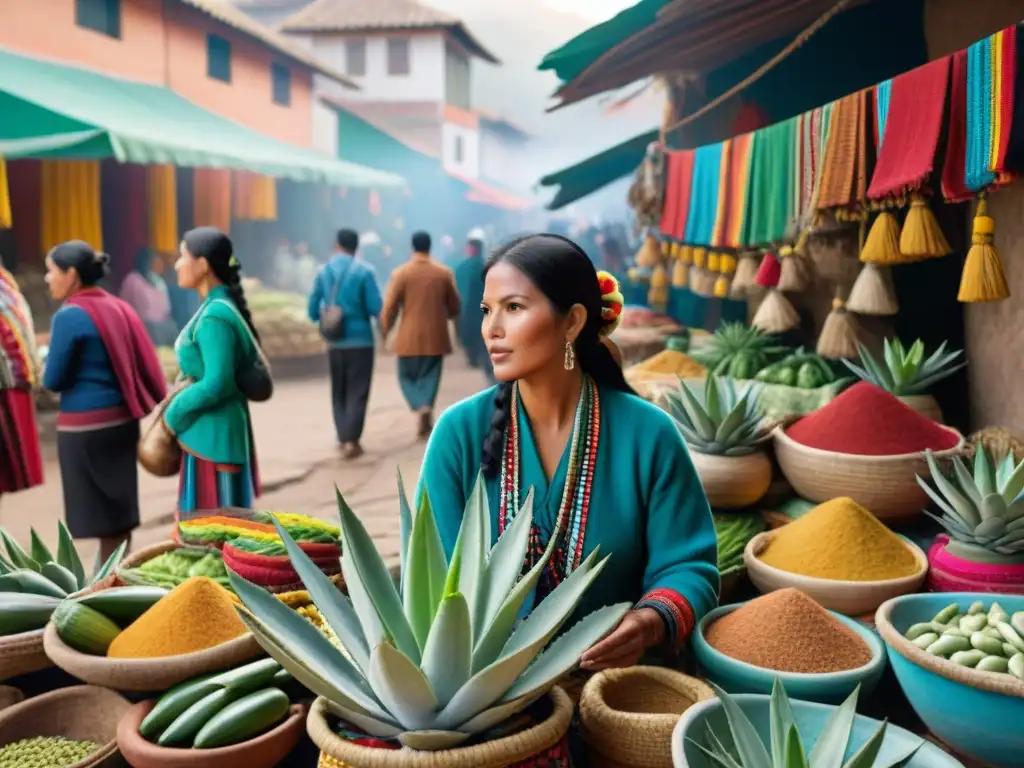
{"points": [[700, 221], [979, 116], [844, 177], [722, 205], [684, 168], [6, 220], [883, 95], [769, 207], [672, 193], [254, 197], [211, 198], [1015, 136], [1004, 66], [954, 185], [162, 198], [70, 203], [911, 130], [733, 196]]}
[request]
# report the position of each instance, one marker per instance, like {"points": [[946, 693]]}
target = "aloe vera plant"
{"points": [[786, 749], [903, 371], [441, 656]]}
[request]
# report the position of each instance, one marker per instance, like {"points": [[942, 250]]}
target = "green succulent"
{"points": [[441, 656], [786, 749], [982, 510], [737, 341], [906, 371], [721, 420]]}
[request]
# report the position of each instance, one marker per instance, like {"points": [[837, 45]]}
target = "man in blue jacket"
{"points": [[349, 283]]}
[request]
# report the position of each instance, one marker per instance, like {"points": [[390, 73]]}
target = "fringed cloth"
{"points": [[684, 183], [732, 199], [954, 185], [1015, 136], [845, 175], [769, 191], [673, 192], [910, 129], [700, 223], [883, 97], [991, 65], [1004, 67]]}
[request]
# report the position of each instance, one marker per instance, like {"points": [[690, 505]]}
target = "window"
{"points": [[398, 56], [355, 57], [218, 58], [459, 151], [102, 16], [281, 84], [456, 90]]}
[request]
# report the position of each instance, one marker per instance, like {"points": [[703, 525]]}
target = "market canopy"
{"points": [[56, 111], [587, 176]]}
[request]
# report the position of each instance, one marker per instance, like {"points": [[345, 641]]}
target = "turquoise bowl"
{"points": [[736, 676], [979, 714], [810, 720]]}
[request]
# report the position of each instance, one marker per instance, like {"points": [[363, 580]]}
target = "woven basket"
{"points": [[82, 712], [627, 715], [884, 485], [733, 482], [499, 753]]}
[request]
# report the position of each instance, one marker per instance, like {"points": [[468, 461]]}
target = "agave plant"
{"points": [[787, 748], [721, 421], [442, 656], [904, 371], [984, 510]]}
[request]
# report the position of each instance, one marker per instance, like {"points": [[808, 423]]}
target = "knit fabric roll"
{"points": [[844, 180], [700, 222], [1014, 160], [911, 129], [954, 185], [979, 116]]}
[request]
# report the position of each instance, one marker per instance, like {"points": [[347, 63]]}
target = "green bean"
{"points": [[992, 664], [917, 630], [993, 632], [954, 631], [997, 614], [947, 645], [987, 644], [973, 622], [1016, 666], [1009, 651], [940, 627], [1010, 635], [967, 658], [946, 614], [976, 608], [923, 641], [1017, 622]]}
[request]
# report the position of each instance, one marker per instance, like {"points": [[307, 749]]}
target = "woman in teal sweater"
{"points": [[210, 416], [607, 468]]}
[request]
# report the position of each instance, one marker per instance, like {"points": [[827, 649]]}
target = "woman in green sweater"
{"points": [[607, 468], [210, 416]]}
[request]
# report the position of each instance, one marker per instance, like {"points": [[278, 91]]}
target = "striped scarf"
{"points": [[732, 200]]}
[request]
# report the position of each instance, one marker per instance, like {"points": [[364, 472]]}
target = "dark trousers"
{"points": [[351, 373]]}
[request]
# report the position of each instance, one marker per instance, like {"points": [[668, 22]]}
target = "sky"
{"points": [[593, 10]]}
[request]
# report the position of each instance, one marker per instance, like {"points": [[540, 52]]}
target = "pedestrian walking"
{"points": [[105, 368], [423, 292], [469, 280], [146, 292], [345, 300]]}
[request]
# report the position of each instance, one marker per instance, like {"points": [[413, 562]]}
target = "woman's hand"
{"points": [[639, 630]]}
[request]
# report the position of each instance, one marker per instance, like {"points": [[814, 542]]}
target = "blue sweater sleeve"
{"points": [[66, 329], [371, 294], [681, 580], [316, 297], [444, 467]]}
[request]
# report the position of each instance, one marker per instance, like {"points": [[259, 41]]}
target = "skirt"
{"points": [[204, 484], [420, 378], [21, 462], [100, 474]]}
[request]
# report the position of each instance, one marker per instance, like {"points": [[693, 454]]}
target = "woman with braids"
{"points": [[210, 416], [607, 468]]}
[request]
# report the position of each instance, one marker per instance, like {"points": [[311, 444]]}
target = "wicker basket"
{"points": [[627, 715], [733, 482], [884, 485], [499, 753]]}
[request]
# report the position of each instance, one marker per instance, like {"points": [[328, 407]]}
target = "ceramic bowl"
{"points": [[949, 573], [9, 696], [978, 714], [264, 751], [884, 485], [852, 598], [810, 719], [740, 677], [82, 712], [148, 675]]}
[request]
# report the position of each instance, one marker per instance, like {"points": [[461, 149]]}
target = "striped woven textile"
{"points": [[844, 177], [732, 199], [700, 223], [954, 185]]}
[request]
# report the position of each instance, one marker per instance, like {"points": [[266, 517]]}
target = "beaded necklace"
{"points": [[572, 511]]}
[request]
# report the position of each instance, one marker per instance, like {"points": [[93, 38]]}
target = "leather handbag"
{"points": [[332, 316], [158, 451]]}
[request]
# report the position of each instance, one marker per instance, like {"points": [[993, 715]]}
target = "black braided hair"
{"points": [[213, 245], [563, 272], [78, 254]]}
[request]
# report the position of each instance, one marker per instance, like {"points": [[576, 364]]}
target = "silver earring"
{"points": [[570, 356]]}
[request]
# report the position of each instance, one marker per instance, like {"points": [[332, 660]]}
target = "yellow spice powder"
{"points": [[670, 361], [842, 541]]}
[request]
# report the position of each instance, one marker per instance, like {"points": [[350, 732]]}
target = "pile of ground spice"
{"points": [[786, 631], [842, 541], [671, 361], [197, 614], [865, 420]]}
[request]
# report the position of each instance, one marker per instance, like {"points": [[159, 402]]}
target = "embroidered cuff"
{"points": [[676, 612]]}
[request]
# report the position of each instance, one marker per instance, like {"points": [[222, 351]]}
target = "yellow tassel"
{"points": [[680, 273], [838, 337], [727, 263], [649, 254], [983, 277], [674, 251], [699, 257], [792, 274], [922, 236], [657, 296], [666, 248], [686, 254], [883, 243], [6, 222], [714, 259], [721, 287]]}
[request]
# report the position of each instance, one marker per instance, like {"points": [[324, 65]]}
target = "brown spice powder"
{"points": [[787, 631]]}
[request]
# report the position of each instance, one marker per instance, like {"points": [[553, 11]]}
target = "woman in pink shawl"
{"points": [[106, 370]]}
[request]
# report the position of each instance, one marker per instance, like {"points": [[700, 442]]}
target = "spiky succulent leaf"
{"points": [[404, 526], [448, 655], [67, 555], [782, 721], [402, 688], [424, 581], [19, 557], [737, 427], [104, 569], [475, 534], [504, 567], [749, 746], [830, 749], [966, 481], [40, 552], [984, 473]]}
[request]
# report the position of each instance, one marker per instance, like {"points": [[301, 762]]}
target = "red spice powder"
{"points": [[865, 420]]}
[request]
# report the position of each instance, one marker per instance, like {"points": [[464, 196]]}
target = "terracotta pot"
{"points": [[9, 696], [926, 405], [264, 751], [733, 482]]}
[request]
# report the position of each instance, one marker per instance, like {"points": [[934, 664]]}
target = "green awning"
{"points": [[57, 111], [570, 59], [587, 176]]}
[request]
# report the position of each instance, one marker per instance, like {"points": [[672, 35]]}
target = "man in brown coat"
{"points": [[424, 292]]}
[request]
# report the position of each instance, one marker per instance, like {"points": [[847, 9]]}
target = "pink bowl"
{"points": [[948, 573]]}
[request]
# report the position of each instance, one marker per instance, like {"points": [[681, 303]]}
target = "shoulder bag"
{"points": [[253, 379], [158, 450], [332, 316]]}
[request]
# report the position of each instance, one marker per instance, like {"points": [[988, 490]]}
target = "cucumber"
{"points": [[244, 719], [257, 674], [173, 703], [283, 677], [83, 628], [123, 604], [186, 725], [24, 613]]}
